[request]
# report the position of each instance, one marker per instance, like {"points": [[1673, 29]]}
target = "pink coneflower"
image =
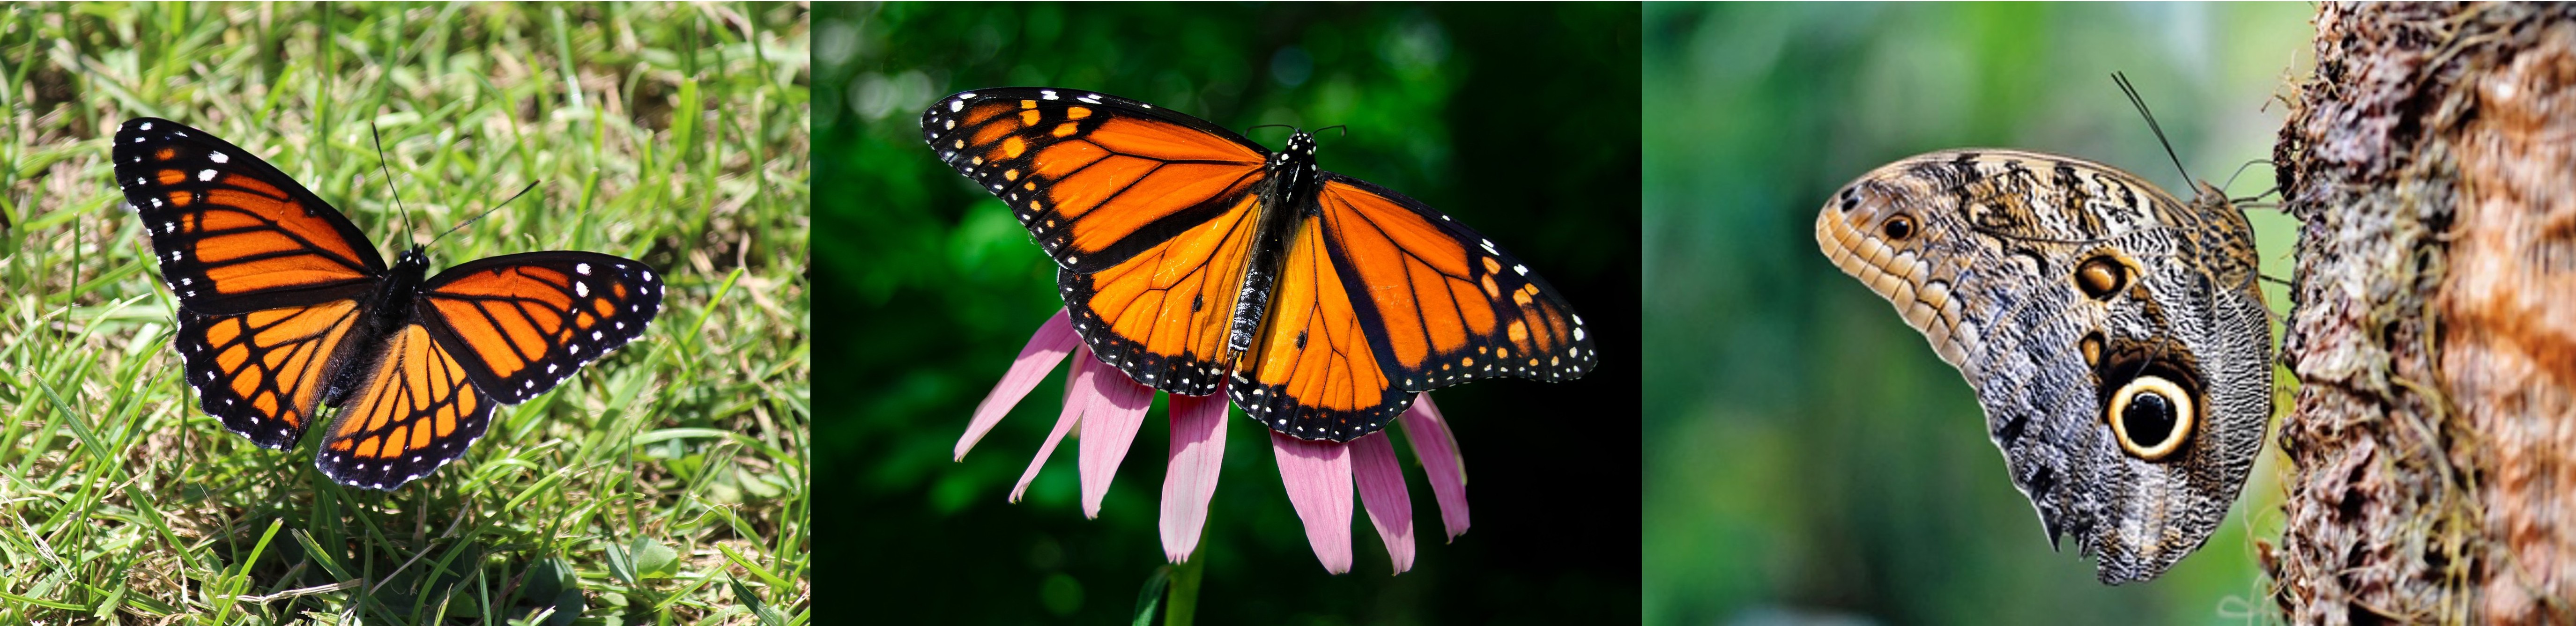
{"points": [[1318, 474]]}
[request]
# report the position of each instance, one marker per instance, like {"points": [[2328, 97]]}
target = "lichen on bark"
{"points": [[2431, 161]]}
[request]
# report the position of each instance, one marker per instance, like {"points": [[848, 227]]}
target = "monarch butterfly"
{"points": [[1188, 255], [284, 305]]}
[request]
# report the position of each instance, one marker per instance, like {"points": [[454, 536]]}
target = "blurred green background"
{"points": [[1806, 455], [1521, 121]]}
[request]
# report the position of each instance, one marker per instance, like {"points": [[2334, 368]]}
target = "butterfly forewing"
{"points": [[1095, 178], [1448, 304], [527, 321], [231, 233]]}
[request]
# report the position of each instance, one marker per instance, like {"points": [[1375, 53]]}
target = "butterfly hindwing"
{"points": [[1313, 372], [232, 234], [264, 372], [416, 411], [526, 321]]}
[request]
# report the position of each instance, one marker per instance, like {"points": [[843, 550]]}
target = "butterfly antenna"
{"points": [[486, 211], [382, 166], [2141, 103], [1345, 128]]}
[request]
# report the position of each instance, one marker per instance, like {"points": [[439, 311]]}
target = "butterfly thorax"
{"points": [[1291, 181], [386, 310]]}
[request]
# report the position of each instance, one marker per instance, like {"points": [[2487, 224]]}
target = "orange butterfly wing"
{"points": [[267, 276], [1157, 222], [264, 372], [233, 234], [526, 321], [276, 289], [1442, 305], [496, 330], [1150, 214], [416, 411]]}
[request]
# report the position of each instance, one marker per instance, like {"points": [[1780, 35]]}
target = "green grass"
{"points": [[664, 484]]}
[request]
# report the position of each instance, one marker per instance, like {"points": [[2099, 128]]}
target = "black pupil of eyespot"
{"points": [[1900, 227], [2149, 420]]}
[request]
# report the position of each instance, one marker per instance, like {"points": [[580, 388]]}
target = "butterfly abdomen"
{"points": [[386, 310], [1290, 194]]}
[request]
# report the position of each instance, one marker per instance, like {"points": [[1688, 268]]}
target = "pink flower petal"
{"points": [[1318, 477], [1077, 396], [1108, 427], [1438, 451], [1053, 340], [1390, 507], [1189, 477]]}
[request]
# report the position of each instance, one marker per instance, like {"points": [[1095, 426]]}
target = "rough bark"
{"points": [[2431, 159]]}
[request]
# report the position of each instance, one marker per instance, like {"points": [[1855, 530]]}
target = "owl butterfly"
{"points": [[2114, 334]]}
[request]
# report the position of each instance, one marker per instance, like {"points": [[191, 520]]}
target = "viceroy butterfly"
{"points": [[284, 305], [1188, 256]]}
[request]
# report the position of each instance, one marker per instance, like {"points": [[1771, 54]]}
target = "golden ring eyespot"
{"points": [[2152, 417], [1898, 227]]}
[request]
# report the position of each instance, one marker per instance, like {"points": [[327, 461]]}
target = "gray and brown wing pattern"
{"points": [[2113, 333]]}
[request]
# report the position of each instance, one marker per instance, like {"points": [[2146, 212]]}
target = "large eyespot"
{"points": [[2152, 417], [1898, 227], [2101, 276]]}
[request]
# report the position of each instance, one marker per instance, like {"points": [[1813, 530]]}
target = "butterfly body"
{"points": [[2113, 333], [1193, 259], [286, 309], [387, 310], [1292, 182]]}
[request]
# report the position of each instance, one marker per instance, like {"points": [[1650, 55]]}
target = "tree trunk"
{"points": [[2431, 160]]}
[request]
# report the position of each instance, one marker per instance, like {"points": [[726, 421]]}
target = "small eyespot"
{"points": [[1898, 227], [2102, 276]]}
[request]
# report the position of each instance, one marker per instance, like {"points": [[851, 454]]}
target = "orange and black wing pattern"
{"points": [[1379, 297], [522, 323], [285, 309], [1150, 214], [1188, 254], [415, 410], [268, 277], [264, 372], [233, 234]]}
